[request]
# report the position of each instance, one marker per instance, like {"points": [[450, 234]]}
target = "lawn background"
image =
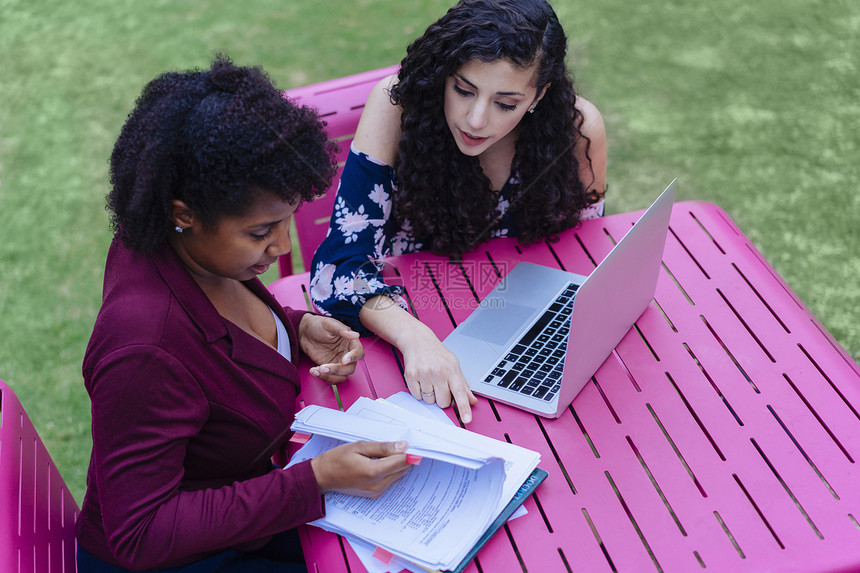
{"points": [[752, 105]]}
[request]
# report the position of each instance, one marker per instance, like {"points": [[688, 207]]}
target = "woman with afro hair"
{"points": [[190, 365], [479, 135]]}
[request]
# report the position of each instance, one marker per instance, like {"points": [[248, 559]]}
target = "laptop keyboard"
{"points": [[535, 363]]}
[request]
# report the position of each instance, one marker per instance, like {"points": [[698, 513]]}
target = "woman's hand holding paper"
{"points": [[365, 469]]}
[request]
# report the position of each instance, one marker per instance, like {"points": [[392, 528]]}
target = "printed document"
{"points": [[435, 513]]}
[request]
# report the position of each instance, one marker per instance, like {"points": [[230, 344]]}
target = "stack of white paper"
{"points": [[435, 513]]}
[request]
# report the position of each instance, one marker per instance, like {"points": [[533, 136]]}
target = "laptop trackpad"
{"points": [[497, 325]]}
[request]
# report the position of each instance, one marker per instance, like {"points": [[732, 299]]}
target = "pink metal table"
{"points": [[721, 435]]}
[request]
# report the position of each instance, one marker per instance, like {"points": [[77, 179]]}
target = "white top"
{"points": [[283, 338]]}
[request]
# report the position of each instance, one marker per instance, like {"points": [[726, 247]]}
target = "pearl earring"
{"points": [[178, 229]]}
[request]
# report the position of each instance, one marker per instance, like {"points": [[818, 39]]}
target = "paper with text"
{"points": [[433, 515]]}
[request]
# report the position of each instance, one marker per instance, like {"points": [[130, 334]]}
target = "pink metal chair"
{"points": [[37, 512], [340, 103]]}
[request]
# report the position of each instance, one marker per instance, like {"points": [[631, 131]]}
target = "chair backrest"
{"points": [[340, 103], [37, 512]]}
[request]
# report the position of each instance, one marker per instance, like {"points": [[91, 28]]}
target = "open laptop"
{"points": [[541, 334]]}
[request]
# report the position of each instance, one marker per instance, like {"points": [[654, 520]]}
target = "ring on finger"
{"points": [[428, 394]]}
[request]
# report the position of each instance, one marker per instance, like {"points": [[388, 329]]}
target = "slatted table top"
{"points": [[721, 435]]}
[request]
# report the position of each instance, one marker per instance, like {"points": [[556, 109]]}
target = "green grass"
{"points": [[754, 106]]}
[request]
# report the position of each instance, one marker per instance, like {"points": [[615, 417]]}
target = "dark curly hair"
{"points": [[442, 192], [213, 139]]}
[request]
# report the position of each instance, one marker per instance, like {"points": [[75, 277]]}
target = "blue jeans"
{"points": [[282, 555]]}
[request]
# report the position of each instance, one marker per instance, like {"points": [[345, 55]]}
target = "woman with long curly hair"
{"points": [[190, 365], [479, 135]]}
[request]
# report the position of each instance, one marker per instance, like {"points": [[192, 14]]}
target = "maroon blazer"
{"points": [[187, 410]]}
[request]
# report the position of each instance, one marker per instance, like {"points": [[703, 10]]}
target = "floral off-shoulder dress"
{"points": [[346, 268]]}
